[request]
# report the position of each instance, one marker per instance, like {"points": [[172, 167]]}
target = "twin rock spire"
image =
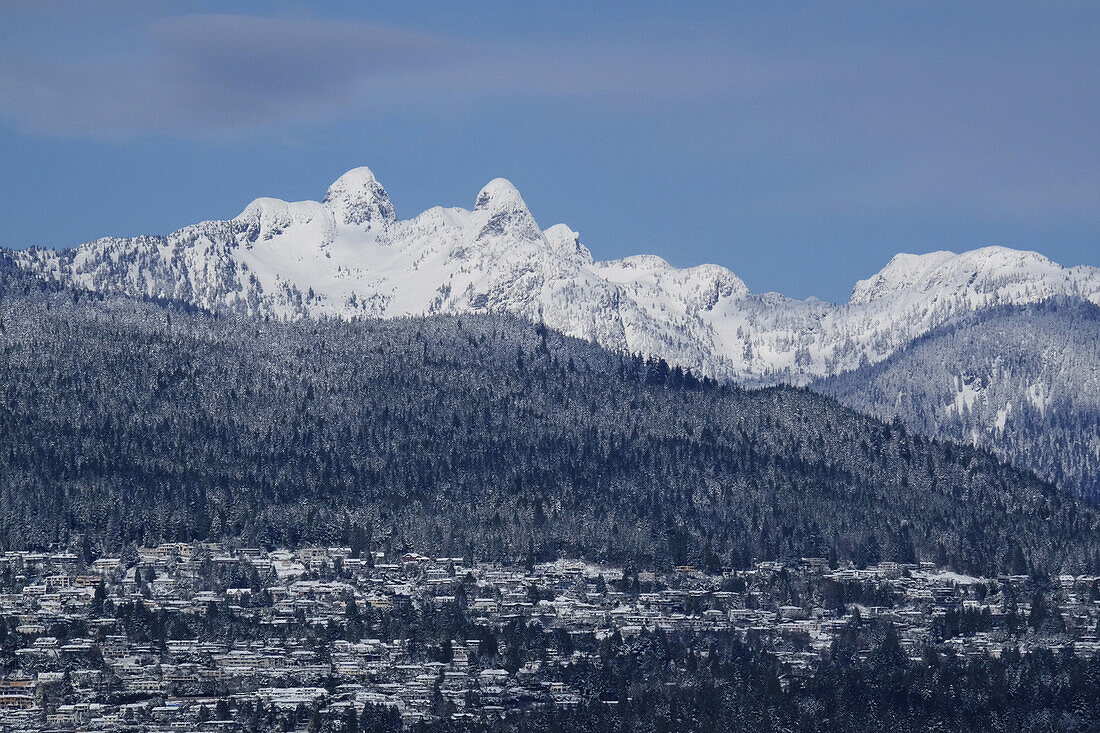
{"points": [[358, 198]]}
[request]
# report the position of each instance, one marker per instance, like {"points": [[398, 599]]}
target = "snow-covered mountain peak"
{"points": [[507, 211], [499, 195], [1003, 262], [693, 288], [357, 198], [984, 276], [266, 218], [715, 283], [271, 211], [903, 271], [566, 243]]}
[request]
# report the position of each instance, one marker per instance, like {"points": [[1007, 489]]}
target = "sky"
{"points": [[799, 144]]}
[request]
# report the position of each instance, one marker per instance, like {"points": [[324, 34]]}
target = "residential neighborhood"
{"points": [[208, 637]]}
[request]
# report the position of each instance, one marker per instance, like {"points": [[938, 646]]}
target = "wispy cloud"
{"points": [[876, 112], [212, 75]]}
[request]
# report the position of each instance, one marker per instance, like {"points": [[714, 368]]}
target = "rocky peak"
{"points": [[508, 213], [565, 242], [357, 198]]}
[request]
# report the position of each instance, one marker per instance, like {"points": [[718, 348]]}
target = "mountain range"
{"points": [[349, 256], [947, 343]]}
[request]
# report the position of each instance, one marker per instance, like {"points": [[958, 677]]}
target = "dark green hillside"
{"points": [[139, 422]]}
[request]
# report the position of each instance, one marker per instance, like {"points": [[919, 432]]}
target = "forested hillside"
{"points": [[483, 436], [1023, 381]]}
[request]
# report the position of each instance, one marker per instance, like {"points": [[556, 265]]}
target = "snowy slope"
{"points": [[1022, 381], [350, 256]]}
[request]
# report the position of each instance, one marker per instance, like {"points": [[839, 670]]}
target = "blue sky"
{"points": [[799, 144]]}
